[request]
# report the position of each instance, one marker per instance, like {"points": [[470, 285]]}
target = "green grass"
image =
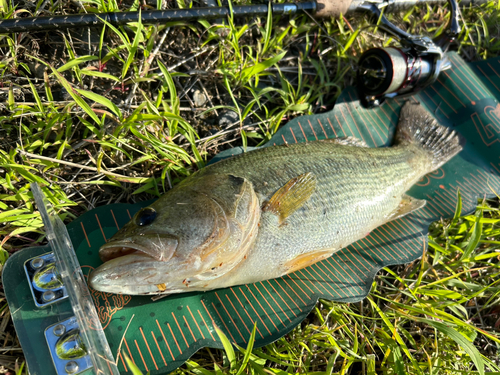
{"points": [[110, 116]]}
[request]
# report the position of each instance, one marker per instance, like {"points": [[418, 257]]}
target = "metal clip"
{"points": [[45, 283], [67, 350]]}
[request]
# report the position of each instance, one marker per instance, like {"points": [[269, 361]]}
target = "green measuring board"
{"points": [[160, 336]]}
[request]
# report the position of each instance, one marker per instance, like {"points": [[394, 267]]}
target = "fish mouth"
{"points": [[116, 250], [160, 248]]}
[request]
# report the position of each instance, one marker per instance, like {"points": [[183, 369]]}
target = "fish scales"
{"points": [[272, 211]]}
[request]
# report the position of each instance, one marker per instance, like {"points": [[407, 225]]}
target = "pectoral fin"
{"points": [[406, 206], [291, 196]]}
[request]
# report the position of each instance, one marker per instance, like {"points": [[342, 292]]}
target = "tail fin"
{"points": [[417, 126]]}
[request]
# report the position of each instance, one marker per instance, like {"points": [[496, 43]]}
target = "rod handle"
{"points": [[331, 8]]}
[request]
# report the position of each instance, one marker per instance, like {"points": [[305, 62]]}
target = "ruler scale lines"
{"points": [[368, 249], [349, 126], [230, 317], [265, 312], [147, 346], [340, 125], [100, 227], [172, 333], [182, 333], [479, 87], [312, 277], [356, 124], [277, 304], [302, 281], [451, 92], [445, 200], [243, 307], [458, 86], [255, 311], [212, 319], [192, 316], [114, 218], [293, 135], [355, 249], [279, 295], [85, 233], [310, 125], [334, 132], [322, 128], [489, 79], [390, 237], [438, 208], [165, 340], [189, 327], [123, 362], [444, 100], [139, 350], [301, 300], [158, 346], [237, 313], [128, 349], [432, 100], [304, 134], [265, 299], [206, 325], [377, 127], [474, 184], [384, 253], [354, 264], [223, 322]]}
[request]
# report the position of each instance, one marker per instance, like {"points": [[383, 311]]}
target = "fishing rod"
{"points": [[316, 8]]}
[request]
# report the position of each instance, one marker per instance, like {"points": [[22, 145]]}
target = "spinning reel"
{"points": [[395, 72]]}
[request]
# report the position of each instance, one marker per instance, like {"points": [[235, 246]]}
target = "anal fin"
{"points": [[291, 196], [406, 206], [304, 260]]}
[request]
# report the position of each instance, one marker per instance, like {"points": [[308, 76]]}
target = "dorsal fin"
{"points": [[348, 141]]}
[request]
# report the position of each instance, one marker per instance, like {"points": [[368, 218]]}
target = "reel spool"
{"points": [[394, 72]]}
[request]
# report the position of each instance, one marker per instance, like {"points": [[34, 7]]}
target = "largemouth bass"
{"points": [[269, 212]]}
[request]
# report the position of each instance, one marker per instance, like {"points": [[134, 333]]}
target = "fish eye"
{"points": [[145, 216]]}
